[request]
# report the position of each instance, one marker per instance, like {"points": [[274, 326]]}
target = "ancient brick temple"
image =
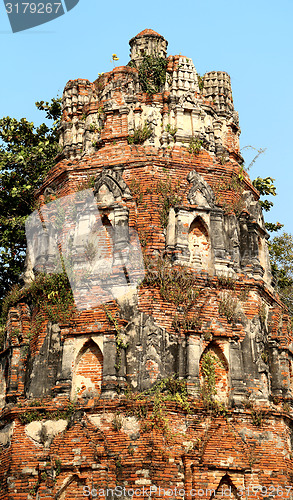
{"points": [[184, 382]]}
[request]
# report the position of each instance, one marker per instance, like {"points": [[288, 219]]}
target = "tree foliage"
{"points": [[280, 247], [152, 73], [27, 153], [266, 187], [281, 255]]}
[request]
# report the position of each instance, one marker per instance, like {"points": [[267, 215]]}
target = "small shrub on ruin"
{"points": [[257, 416], [169, 197], [229, 307], [152, 73], [140, 134], [200, 82], [176, 284], [171, 130], [195, 146], [117, 422]]}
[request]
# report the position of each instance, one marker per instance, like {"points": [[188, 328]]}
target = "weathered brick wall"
{"points": [[109, 446]]}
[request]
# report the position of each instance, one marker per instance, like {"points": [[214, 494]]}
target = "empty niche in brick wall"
{"points": [[214, 374], [104, 196], [199, 245], [88, 372], [225, 489]]}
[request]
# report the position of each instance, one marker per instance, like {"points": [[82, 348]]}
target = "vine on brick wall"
{"points": [[88, 183], [209, 384], [169, 197], [208, 389], [234, 184], [200, 82], [168, 194], [172, 130], [186, 323], [195, 146], [43, 413], [168, 389]]}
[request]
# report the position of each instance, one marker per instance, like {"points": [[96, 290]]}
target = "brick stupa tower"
{"points": [[186, 380]]}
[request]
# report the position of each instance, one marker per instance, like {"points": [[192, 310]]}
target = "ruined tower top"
{"points": [[147, 42]]}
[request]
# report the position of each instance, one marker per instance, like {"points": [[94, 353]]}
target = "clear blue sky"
{"points": [[251, 40]]}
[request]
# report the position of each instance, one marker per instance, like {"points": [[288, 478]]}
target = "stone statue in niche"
{"points": [[200, 193]]}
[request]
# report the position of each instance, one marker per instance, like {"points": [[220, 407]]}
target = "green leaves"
{"points": [[152, 73], [140, 134], [281, 256], [265, 186], [26, 155]]}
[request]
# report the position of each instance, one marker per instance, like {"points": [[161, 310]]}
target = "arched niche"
{"points": [[111, 193], [226, 489], [199, 245], [110, 188], [216, 385], [104, 196], [88, 371]]}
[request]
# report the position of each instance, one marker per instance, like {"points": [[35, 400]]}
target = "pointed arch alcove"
{"points": [[199, 245], [111, 193], [214, 373], [88, 371], [226, 488]]}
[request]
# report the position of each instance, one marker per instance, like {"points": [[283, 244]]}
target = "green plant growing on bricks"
{"points": [[200, 82], [176, 284], [169, 197], [152, 73], [169, 389], [171, 130], [195, 146], [208, 388], [48, 292], [140, 134]]}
